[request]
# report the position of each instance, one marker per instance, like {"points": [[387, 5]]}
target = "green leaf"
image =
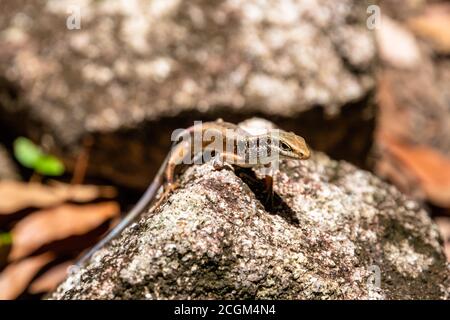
{"points": [[31, 156], [5, 239], [26, 152], [49, 166]]}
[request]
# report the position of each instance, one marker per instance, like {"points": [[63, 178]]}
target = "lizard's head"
{"points": [[293, 146]]}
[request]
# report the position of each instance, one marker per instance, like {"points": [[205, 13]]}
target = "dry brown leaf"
{"points": [[393, 116], [410, 160], [17, 195], [389, 167], [434, 25], [48, 225], [413, 107], [50, 279], [430, 167], [15, 277]]}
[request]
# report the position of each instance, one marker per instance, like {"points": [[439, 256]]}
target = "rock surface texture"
{"points": [[138, 63], [333, 232]]}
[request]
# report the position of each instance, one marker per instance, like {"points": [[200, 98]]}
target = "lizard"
{"points": [[229, 144]]}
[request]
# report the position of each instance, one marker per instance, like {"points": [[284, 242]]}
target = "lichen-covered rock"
{"points": [[133, 63], [333, 232], [138, 59]]}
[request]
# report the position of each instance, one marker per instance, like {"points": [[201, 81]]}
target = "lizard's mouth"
{"points": [[296, 155], [290, 155], [305, 155]]}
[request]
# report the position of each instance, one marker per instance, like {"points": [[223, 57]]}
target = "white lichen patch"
{"points": [[97, 73], [278, 93], [63, 7], [406, 259], [157, 69], [14, 36]]}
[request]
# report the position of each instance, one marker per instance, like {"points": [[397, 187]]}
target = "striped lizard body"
{"points": [[219, 140]]}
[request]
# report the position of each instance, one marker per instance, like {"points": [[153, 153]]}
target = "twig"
{"points": [[82, 162]]}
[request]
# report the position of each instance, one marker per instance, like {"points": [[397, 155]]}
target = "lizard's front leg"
{"points": [[217, 162], [177, 155], [268, 183], [223, 160]]}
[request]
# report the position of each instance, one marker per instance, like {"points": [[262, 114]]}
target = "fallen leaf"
{"points": [[49, 225], [430, 167], [393, 116], [434, 26], [17, 195], [412, 133], [50, 279], [15, 277], [389, 167], [5, 248], [413, 105]]}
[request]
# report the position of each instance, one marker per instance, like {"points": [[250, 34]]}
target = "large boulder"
{"points": [[332, 232], [136, 70]]}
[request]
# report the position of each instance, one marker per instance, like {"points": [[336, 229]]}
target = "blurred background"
{"points": [[91, 90]]}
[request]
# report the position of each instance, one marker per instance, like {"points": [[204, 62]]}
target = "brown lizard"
{"points": [[222, 142]]}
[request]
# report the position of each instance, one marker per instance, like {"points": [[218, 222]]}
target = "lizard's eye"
{"points": [[285, 147]]}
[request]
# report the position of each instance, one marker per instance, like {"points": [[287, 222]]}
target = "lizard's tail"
{"points": [[143, 202]]}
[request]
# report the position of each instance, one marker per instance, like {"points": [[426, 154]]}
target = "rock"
{"points": [[135, 71], [397, 45], [443, 224], [334, 232], [8, 170]]}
